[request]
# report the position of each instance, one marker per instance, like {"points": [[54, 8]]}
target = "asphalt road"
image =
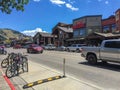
{"points": [[105, 76]]}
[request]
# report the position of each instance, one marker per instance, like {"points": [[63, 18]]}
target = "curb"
{"points": [[8, 80], [42, 81]]}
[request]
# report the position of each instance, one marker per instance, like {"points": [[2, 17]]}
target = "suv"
{"points": [[75, 47]]}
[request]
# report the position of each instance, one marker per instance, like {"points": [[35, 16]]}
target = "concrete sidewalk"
{"points": [[3, 83], [39, 72]]}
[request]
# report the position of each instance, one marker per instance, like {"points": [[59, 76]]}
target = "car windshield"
{"points": [[35, 45]]}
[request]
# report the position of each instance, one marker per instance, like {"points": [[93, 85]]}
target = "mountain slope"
{"points": [[9, 33]]}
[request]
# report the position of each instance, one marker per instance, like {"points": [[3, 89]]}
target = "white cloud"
{"points": [[68, 5], [71, 1], [58, 2], [106, 2], [36, 0], [71, 7], [32, 32]]}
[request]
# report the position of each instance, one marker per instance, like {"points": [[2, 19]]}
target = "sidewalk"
{"points": [[39, 72], [3, 84]]}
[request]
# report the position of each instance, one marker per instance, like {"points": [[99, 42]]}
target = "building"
{"points": [[42, 38], [109, 25], [112, 23], [117, 20], [95, 39], [84, 26], [63, 32]]}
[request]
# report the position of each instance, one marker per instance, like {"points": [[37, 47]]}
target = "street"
{"points": [[101, 75]]}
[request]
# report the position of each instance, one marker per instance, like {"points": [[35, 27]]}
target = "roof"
{"points": [[60, 24], [87, 17], [117, 10], [107, 34], [113, 40], [73, 39], [45, 34], [65, 29]]}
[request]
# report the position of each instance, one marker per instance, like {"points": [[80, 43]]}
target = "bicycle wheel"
{"points": [[4, 63], [10, 71]]}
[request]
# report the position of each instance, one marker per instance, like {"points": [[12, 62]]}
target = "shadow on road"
{"points": [[109, 66]]}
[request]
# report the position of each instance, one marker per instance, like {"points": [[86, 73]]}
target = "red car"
{"points": [[2, 46], [34, 48], [17, 46]]}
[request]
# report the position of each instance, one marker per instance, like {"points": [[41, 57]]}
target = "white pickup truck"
{"points": [[108, 51]]}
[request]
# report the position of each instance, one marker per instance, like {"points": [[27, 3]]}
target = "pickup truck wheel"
{"points": [[92, 59]]}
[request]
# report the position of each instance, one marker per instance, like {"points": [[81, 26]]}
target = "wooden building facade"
{"points": [[63, 32], [42, 38]]}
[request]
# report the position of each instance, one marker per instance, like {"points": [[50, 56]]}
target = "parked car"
{"points": [[50, 47], [34, 48], [25, 46], [17, 46], [7, 45], [61, 48], [108, 51], [75, 47], [43, 46], [2, 46], [3, 50]]}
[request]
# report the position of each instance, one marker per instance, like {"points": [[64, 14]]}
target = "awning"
{"points": [[75, 39]]}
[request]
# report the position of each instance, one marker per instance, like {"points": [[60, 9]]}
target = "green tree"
{"points": [[6, 6]]}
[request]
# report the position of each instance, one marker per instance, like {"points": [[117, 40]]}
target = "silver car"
{"points": [[50, 47]]}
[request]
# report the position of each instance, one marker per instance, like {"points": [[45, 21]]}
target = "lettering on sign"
{"points": [[78, 25]]}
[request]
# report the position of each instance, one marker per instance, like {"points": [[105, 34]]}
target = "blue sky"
{"points": [[43, 15]]}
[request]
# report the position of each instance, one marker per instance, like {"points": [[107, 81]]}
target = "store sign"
{"points": [[78, 25]]}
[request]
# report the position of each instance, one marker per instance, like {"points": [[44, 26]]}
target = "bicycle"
{"points": [[5, 62], [20, 62]]}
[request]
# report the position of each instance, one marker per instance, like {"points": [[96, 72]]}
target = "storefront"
{"points": [[117, 20], [84, 26], [95, 38], [43, 38], [109, 25]]}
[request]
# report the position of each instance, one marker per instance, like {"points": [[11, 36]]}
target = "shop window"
{"points": [[113, 27], [106, 29], [76, 33], [82, 31]]}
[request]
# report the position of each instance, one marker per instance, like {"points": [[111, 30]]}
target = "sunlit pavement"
{"points": [[39, 72]]}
